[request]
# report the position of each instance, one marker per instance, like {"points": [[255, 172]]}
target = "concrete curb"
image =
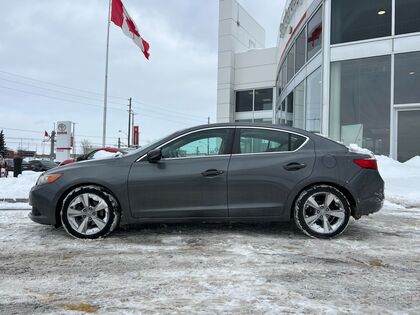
{"points": [[14, 200]]}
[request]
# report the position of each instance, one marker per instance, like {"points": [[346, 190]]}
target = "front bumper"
{"points": [[43, 200]]}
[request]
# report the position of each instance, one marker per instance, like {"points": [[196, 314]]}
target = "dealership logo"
{"points": [[62, 128]]}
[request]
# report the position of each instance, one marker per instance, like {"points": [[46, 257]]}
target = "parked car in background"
{"points": [[220, 172], [96, 154], [42, 165], [25, 165]]}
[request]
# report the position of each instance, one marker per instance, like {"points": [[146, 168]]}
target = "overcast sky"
{"points": [[62, 42]]}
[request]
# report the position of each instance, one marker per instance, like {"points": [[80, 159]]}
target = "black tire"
{"points": [[299, 213], [113, 212]]}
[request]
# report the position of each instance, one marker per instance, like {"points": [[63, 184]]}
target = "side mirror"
{"points": [[154, 156]]}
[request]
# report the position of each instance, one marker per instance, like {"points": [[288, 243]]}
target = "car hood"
{"points": [[83, 164]]}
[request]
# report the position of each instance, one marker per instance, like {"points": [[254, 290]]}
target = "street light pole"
{"points": [[129, 122]]}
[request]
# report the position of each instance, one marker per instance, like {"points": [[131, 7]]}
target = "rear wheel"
{"points": [[88, 212], [322, 211]]}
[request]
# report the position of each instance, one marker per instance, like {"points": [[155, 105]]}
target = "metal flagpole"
{"points": [[106, 77]]}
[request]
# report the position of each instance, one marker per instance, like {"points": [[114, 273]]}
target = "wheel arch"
{"points": [[341, 188], [60, 201]]}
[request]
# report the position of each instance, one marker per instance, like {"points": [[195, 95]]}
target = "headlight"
{"points": [[48, 179]]}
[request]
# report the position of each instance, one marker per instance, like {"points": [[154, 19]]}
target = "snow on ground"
{"points": [[17, 187], [372, 268], [402, 180], [14, 206]]}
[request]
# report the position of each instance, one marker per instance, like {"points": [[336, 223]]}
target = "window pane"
{"points": [[243, 120], [263, 99], [202, 143], [408, 131], [263, 120], [360, 19], [299, 107], [314, 34], [291, 63], [244, 101], [313, 101], [407, 17], [289, 109], [407, 78], [300, 50], [360, 102], [257, 141], [284, 75]]}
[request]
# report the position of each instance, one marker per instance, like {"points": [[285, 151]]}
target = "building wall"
{"points": [[361, 85], [238, 33]]}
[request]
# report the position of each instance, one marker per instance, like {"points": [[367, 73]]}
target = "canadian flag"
{"points": [[121, 18]]}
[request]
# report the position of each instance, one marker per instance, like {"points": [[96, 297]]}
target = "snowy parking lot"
{"points": [[372, 268]]}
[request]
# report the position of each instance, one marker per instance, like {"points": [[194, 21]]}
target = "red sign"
{"points": [[135, 135]]}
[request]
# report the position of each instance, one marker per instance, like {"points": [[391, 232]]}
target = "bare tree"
{"points": [[86, 146]]}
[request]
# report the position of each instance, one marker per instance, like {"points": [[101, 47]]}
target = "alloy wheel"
{"points": [[324, 212], [88, 214]]}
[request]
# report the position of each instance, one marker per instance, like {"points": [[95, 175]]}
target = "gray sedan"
{"points": [[220, 172]]}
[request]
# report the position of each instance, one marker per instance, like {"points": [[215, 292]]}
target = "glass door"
{"points": [[408, 137]]}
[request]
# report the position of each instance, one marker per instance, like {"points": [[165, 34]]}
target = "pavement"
{"points": [[372, 268]]}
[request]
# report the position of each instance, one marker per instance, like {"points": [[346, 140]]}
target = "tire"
{"points": [[322, 211], [89, 212]]}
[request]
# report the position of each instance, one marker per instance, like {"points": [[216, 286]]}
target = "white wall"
{"points": [[238, 32]]}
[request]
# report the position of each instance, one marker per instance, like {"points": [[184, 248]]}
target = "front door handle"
{"points": [[294, 166], [212, 173]]}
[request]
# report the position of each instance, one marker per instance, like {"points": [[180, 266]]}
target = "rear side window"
{"points": [[265, 140]]}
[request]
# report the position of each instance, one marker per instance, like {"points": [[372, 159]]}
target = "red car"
{"points": [[97, 153]]}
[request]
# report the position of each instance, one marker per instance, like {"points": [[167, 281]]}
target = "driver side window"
{"points": [[198, 144]]}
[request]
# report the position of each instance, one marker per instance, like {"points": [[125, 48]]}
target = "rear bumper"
{"points": [[368, 190], [369, 205]]}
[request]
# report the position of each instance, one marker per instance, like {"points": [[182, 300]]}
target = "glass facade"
{"points": [[360, 19], [314, 40], [300, 50], [360, 102], [407, 16], [407, 78], [291, 63], [313, 101], [299, 106], [360, 106]]}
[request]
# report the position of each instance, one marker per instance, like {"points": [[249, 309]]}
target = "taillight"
{"points": [[367, 163]]}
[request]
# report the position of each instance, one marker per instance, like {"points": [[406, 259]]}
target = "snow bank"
{"points": [[402, 180], [17, 187]]}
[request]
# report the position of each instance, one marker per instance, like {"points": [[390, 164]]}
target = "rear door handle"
{"points": [[212, 173], [294, 166]]}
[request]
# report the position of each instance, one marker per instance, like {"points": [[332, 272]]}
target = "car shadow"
{"points": [[268, 229]]}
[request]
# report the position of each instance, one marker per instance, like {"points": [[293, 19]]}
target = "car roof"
{"points": [[321, 142], [250, 124]]}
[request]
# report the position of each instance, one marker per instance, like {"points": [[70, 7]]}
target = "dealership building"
{"points": [[346, 69]]}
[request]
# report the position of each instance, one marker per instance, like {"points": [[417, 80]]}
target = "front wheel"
{"points": [[322, 211], [88, 212]]}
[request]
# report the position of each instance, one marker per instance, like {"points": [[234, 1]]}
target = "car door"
{"points": [[265, 166], [189, 181]]}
